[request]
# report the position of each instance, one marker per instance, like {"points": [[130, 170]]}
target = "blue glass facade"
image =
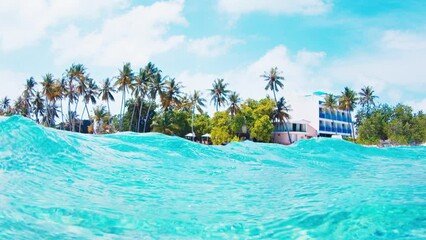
{"points": [[338, 122]]}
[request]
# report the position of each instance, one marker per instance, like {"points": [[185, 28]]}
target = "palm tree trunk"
{"points": [[81, 120], [275, 97], [47, 111], [109, 110], [88, 116], [62, 116], [147, 115], [139, 117], [122, 110], [192, 123], [285, 124], [133, 114], [288, 132], [352, 125], [69, 113], [75, 115]]}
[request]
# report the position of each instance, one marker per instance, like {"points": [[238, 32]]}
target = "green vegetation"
{"points": [[151, 101], [398, 124]]}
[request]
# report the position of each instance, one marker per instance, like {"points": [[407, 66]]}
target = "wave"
{"points": [[57, 184]]}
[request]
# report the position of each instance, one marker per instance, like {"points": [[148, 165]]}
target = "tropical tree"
{"points": [[155, 86], [366, 98], [124, 81], [38, 104], [347, 102], [5, 104], [100, 115], [171, 95], [28, 94], [76, 72], [49, 92], [219, 93], [163, 123], [262, 129], [89, 96], [221, 128], [196, 102], [234, 104], [61, 88], [106, 92], [274, 83], [281, 115], [273, 80], [330, 104], [139, 89], [19, 106]]}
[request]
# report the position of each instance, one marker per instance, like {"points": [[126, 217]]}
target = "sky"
{"points": [[317, 45]]}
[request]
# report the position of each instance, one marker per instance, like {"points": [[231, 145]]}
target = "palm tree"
{"points": [[139, 89], [234, 101], [38, 104], [163, 124], [347, 102], [74, 73], [367, 97], [52, 113], [106, 92], [5, 104], [99, 115], [48, 90], [19, 106], [281, 115], [155, 85], [89, 95], [61, 92], [28, 93], [196, 102], [330, 104], [219, 93], [124, 81], [171, 95], [274, 81]]}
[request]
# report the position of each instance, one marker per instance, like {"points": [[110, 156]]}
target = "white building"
{"points": [[309, 107]]}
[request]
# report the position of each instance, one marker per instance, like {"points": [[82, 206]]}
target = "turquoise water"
{"points": [[61, 185]]}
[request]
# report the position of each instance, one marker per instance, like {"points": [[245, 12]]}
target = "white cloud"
{"points": [[397, 63], [417, 105], [396, 73], [399, 40], [134, 36], [26, 22], [247, 81], [304, 7], [213, 46], [12, 83]]}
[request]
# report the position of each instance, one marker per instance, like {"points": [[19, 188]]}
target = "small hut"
{"points": [[206, 139], [190, 136]]}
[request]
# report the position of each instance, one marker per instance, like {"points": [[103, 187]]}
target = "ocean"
{"points": [[63, 185]]}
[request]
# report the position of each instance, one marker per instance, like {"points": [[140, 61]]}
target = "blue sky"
{"points": [[317, 44]]}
